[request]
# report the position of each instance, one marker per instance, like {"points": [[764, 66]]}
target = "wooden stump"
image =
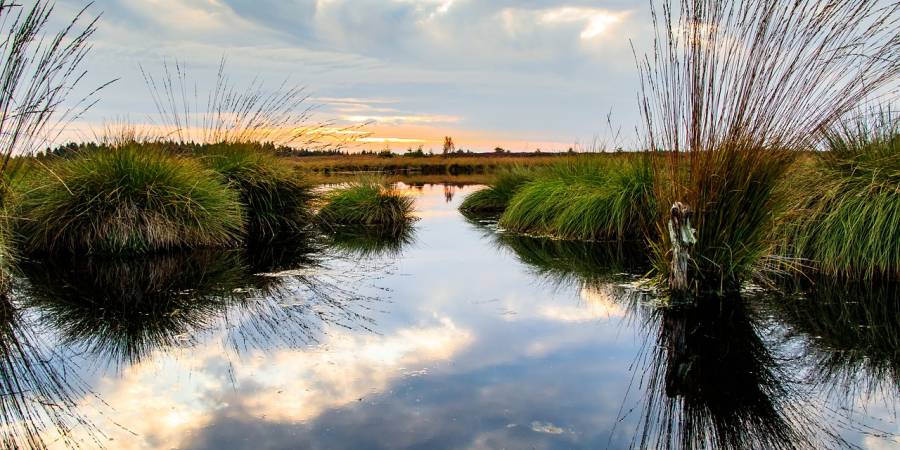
{"points": [[683, 237]]}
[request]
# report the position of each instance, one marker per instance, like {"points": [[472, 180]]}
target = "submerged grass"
{"points": [[586, 200], [126, 200], [367, 204], [849, 225]]}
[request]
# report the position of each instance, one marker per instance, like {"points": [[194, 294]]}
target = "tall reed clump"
{"points": [[586, 200], [127, 200], [494, 198], [240, 114], [276, 198], [369, 205], [731, 90], [849, 225], [38, 69]]}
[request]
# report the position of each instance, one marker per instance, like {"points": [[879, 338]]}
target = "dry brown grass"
{"points": [[428, 165]]}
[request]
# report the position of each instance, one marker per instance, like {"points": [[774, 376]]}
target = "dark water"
{"points": [[455, 336]]}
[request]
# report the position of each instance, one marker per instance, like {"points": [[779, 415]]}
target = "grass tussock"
{"points": [[850, 224], [126, 201], [367, 204], [276, 198], [733, 191], [494, 198], [39, 68], [731, 89], [586, 200]]}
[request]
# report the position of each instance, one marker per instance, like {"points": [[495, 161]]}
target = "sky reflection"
{"points": [[458, 338]]}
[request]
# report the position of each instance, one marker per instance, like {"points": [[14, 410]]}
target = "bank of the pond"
{"points": [[835, 212]]}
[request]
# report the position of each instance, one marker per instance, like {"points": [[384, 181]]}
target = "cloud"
{"points": [[598, 304], [516, 71], [401, 119], [163, 401]]}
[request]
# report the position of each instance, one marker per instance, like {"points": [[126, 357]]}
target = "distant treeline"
{"points": [[71, 148]]}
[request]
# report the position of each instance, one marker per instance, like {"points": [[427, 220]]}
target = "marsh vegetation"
{"points": [[209, 235]]}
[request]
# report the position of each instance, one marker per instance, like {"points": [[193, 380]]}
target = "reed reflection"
{"points": [[371, 243], [122, 310], [563, 262], [712, 380], [38, 391], [849, 336]]}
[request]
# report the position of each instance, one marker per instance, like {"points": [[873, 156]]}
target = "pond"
{"points": [[454, 336]]}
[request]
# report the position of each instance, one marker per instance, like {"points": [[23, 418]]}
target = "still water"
{"points": [[454, 336]]}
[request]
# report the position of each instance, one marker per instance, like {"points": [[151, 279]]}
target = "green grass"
{"points": [[127, 200], [276, 198], [586, 200], [369, 204], [849, 225], [494, 198], [728, 112], [733, 192]]}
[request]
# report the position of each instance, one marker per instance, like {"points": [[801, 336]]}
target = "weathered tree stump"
{"points": [[683, 237]]}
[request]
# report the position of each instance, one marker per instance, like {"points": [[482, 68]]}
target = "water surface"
{"points": [[455, 336]]}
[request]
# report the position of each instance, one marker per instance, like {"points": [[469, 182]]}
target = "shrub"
{"points": [[127, 200]]}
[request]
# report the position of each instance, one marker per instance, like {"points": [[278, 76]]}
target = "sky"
{"points": [[519, 74]]}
